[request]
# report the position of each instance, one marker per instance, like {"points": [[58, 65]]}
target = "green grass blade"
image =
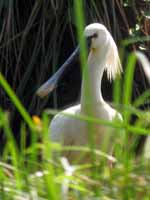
{"points": [[128, 82], [16, 101]]}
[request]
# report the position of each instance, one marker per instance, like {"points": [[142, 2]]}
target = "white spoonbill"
{"points": [[103, 56]]}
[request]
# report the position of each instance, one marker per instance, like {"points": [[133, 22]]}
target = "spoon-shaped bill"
{"points": [[51, 83]]}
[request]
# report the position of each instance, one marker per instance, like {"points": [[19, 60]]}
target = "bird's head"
{"points": [[100, 41], [96, 35]]}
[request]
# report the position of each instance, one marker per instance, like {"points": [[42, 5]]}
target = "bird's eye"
{"points": [[95, 35]]}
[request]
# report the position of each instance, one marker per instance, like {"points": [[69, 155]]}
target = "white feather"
{"points": [[113, 64]]}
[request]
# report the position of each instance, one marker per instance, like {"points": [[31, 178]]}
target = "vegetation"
{"points": [[31, 40]]}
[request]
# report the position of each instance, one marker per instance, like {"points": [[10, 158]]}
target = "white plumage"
{"points": [[103, 56]]}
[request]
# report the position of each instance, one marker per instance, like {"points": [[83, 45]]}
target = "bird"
{"points": [[103, 56]]}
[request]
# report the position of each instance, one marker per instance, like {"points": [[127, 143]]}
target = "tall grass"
{"points": [[29, 171]]}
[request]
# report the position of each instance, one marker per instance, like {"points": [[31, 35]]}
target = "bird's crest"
{"points": [[113, 65]]}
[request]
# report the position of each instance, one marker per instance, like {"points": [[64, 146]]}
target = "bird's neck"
{"points": [[91, 94]]}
